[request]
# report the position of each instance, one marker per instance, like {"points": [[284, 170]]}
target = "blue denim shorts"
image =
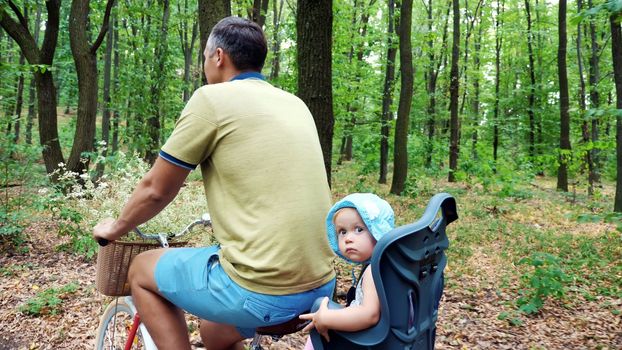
{"points": [[193, 279]]}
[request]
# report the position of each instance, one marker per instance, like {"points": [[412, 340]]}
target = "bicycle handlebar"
{"points": [[163, 238]]}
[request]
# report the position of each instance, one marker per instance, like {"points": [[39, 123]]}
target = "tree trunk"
{"points": [[106, 105], [532, 87], [387, 96], [187, 45], [616, 56], [314, 24], [48, 132], [85, 59], [31, 111], [585, 129], [434, 68], [454, 142], [564, 136], [31, 90], [210, 12], [259, 11], [158, 79], [19, 102], [498, 46], [400, 148], [345, 151], [353, 107], [7, 104], [582, 103], [476, 118], [470, 23], [115, 115], [276, 40], [594, 78]]}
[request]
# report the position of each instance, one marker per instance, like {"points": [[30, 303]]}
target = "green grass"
{"points": [[535, 240]]}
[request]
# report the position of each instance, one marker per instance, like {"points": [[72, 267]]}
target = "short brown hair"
{"points": [[242, 39]]}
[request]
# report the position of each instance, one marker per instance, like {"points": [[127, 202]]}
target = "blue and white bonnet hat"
{"points": [[375, 212]]}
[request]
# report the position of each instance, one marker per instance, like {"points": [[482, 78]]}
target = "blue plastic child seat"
{"points": [[407, 266]]}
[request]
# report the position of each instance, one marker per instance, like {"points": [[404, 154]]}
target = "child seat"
{"points": [[407, 266]]}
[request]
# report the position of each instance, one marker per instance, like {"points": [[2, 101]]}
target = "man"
{"points": [[267, 192]]}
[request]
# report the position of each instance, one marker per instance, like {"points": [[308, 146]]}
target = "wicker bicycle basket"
{"points": [[113, 262]]}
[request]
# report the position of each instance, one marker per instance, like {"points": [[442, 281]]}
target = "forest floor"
{"points": [[484, 277]]}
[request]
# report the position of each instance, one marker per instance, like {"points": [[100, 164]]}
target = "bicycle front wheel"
{"points": [[115, 326]]}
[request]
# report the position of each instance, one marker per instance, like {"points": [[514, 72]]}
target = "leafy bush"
{"points": [[546, 279], [17, 173], [49, 301]]}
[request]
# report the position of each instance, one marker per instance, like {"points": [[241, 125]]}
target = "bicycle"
{"points": [[120, 326]]}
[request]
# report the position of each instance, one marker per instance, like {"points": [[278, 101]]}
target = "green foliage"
{"points": [[547, 279], [17, 173], [610, 7], [611, 217], [69, 221], [13, 270], [48, 302], [512, 317]]}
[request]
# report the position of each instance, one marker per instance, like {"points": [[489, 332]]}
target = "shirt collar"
{"points": [[248, 75]]}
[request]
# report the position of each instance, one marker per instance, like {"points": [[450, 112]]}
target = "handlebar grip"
{"points": [[102, 242]]}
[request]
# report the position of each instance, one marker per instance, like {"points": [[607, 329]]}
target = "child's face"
{"points": [[355, 241]]}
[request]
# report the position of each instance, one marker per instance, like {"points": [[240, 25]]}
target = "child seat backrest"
{"points": [[407, 267]]}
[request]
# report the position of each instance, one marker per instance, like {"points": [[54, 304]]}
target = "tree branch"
{"points": [[50, 38], [104, 29], [19, 15], [21, 36]]}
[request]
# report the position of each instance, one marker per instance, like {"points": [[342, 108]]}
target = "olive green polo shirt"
{"points": [[264, 178]]}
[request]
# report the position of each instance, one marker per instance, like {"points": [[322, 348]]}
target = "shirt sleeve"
{"points": [[194, 136]]}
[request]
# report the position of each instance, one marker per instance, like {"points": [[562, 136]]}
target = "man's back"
{"points": [[265, 181]]}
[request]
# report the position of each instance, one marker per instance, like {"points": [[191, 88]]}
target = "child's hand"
{"points": [[317, 320]]}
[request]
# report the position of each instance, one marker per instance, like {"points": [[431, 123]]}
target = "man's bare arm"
{"points": [[152, 194]]}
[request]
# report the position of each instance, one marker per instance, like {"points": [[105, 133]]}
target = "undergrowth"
{"points": [[545, 246]]}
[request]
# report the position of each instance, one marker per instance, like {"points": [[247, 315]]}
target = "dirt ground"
{"points": [[468, 317]]}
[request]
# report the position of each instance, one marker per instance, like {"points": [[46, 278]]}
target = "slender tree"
{"points": [[387, 94], [314, 24], [46, 92], [352, 106], [532, 87], [187, 43], [434, 69], [564, 136], [106, 105], [454, 141], [276, 39], [616, 56], [400, 149], [155, 119], [498, 47], [585, 130], [115, 115], [19, 94], [31, 90], [476, 91], [19, 100], [594, 79]]}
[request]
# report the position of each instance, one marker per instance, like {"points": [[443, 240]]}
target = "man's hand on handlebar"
{"points": [[104, 231]]}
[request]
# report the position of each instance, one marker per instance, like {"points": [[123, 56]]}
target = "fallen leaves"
{"points": [[477, 294]]}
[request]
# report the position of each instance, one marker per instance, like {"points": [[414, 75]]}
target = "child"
{"points": [[354, 225]]}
